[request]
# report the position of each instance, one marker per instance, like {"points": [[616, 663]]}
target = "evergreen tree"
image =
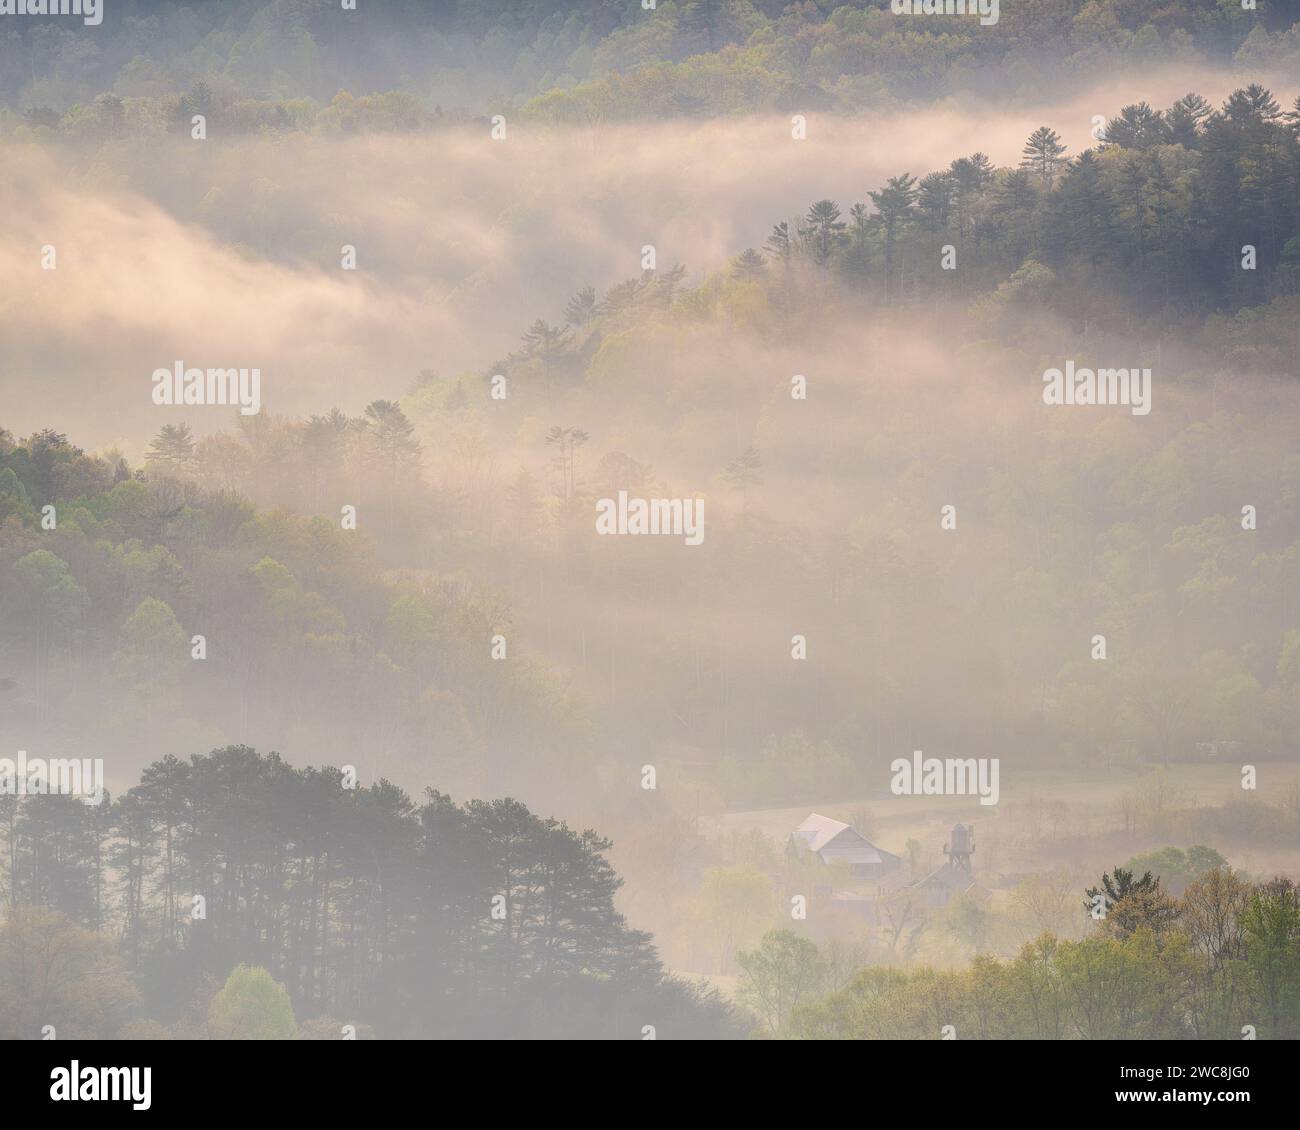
{"points": [[1042, 155]]}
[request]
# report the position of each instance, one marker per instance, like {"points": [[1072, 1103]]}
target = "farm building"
{"points": [[954, 877], [833, 841]]}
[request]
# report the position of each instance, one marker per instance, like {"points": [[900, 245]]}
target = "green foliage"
{"points": [[1175, 868], [13, 496], [1271, 933], [1104, 987], [561, 62], [252, 1005], [784, 972], [857, 56], [1132, 904], [1226, 956], [109, 599], [153, 646], [54, 594], [732, 908]]}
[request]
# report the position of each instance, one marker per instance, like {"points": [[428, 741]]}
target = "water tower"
{"points": [[961, 848]]}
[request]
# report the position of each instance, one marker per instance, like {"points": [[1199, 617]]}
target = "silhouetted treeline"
{"points": [[1184, 210], [420, 918]]}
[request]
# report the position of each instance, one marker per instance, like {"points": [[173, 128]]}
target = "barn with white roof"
{"points": [[833, 841]]}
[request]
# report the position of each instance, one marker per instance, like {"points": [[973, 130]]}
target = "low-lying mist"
{"points": [[831, 619], [228, 252]]}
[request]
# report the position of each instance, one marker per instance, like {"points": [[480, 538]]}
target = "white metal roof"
{"points": [[835, 840]]}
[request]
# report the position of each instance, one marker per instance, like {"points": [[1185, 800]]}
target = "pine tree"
{"points": [[779, 244], [748, 265], [1042, 155], [172, 449], [1137, 127], [581, 308], [1185, 118], [894, 204], [823, 230]]}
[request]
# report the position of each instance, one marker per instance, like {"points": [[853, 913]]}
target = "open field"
{"points": [[1047, 817]]}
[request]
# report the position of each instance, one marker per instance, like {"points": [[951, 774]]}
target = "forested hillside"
{"points": [[1110, 250], [805, 280], [386, 670], [295, 63]]}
